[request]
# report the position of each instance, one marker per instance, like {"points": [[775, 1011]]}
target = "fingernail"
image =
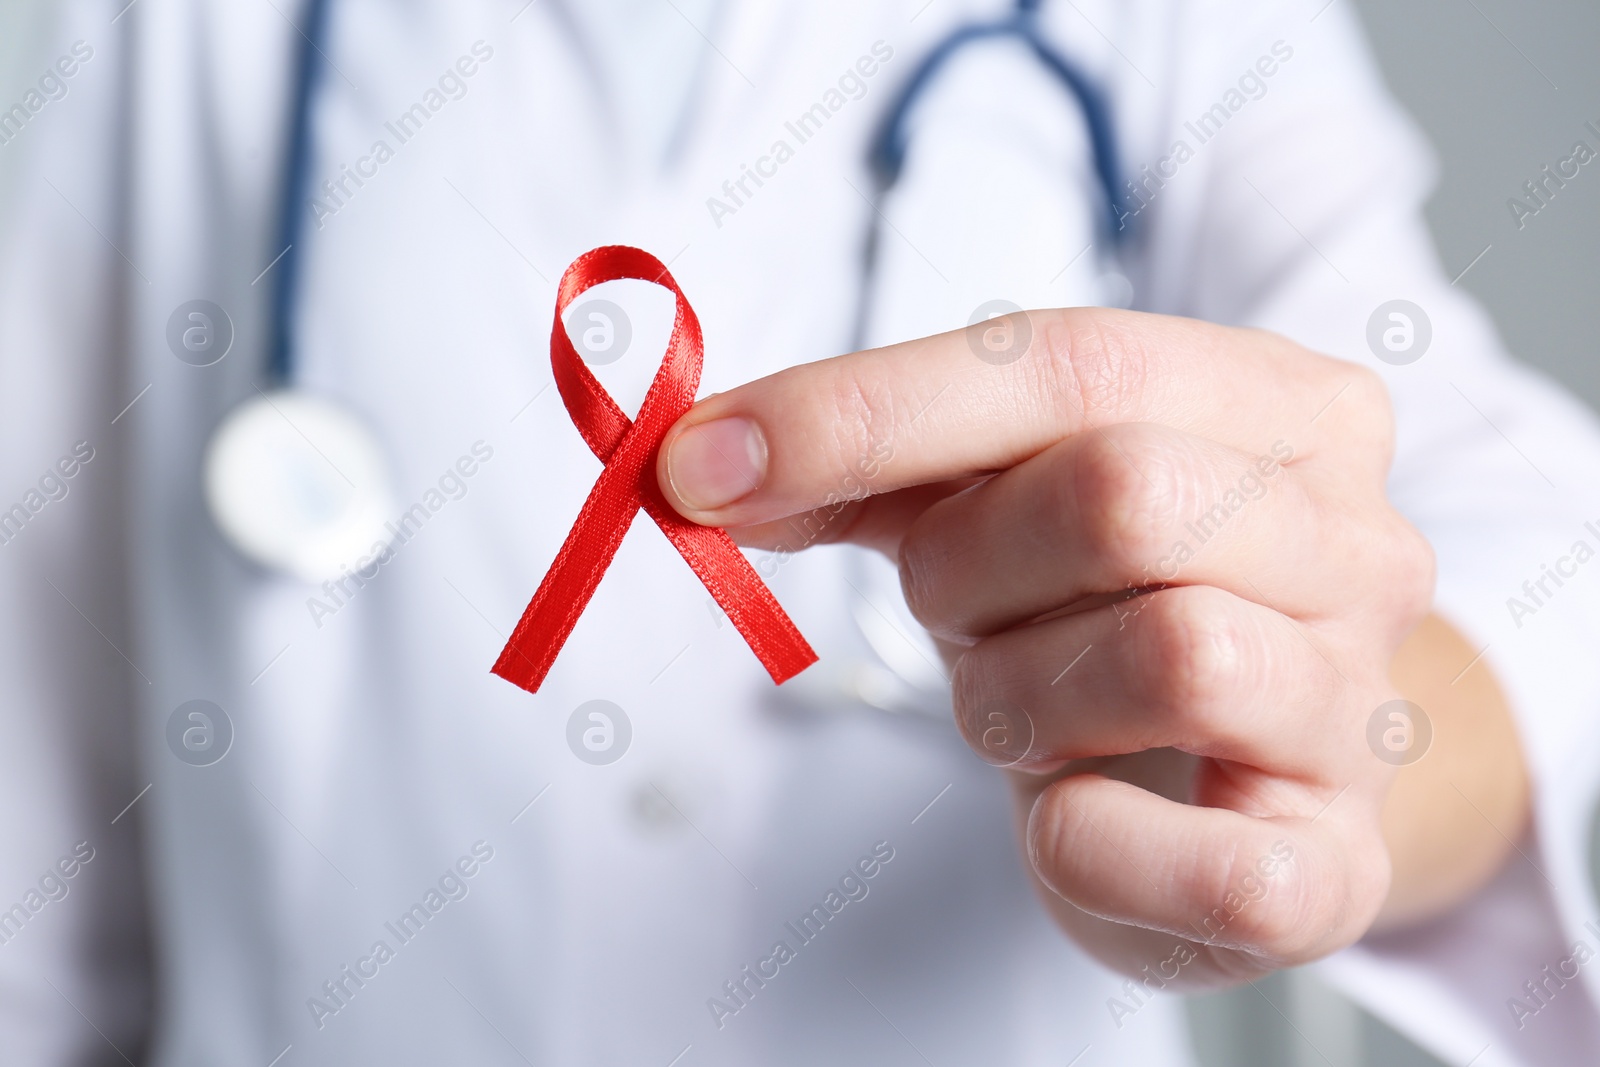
{"points": [[715, 463]]}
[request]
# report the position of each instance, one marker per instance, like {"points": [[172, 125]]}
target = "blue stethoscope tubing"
{"points": [[886, 160], [308, 73], [888, 154], [886, 157]]}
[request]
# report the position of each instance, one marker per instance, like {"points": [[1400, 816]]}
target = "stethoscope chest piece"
{"points": [[300, 485]]}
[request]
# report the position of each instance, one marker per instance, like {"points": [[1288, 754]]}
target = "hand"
{"points": [[1159, 555]]}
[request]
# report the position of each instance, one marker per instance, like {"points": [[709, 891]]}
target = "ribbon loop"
{"points": [[628, 448]]}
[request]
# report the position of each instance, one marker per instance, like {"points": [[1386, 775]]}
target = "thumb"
{"points": [[851, 448], [706, 467]]}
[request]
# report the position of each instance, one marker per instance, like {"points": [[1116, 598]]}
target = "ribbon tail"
{"points": [[569, 583], [738, 590]]}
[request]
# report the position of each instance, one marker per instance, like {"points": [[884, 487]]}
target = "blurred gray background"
{"points": [[1501, 87]]}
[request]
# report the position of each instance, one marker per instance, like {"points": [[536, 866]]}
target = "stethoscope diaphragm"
{"points": [[299, 484]]}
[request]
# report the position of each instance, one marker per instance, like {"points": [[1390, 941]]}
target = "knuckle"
{"points": [[999, 730], [1095, 363], [918, 568], [1411, 570], [970, 688], [1266, 914], [1293, 915], [1368, 389], [1368, 419], [1377, 410], [1277, 927], [1418, 566], [1058, 832], [1195, 655], [930, 576], [1128, 495], [1369, 878]]}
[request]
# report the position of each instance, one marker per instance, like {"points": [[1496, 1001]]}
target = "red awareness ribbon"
{"points": [[629, 448]]}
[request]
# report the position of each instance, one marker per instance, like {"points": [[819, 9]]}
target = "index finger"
{"points": [[935, 409]]}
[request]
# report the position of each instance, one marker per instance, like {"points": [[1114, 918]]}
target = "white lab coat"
{"points": [[372, 750]]}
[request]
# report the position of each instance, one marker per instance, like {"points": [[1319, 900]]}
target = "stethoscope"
{"points": [[910, 681], [886, 157], [300, 483]]}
